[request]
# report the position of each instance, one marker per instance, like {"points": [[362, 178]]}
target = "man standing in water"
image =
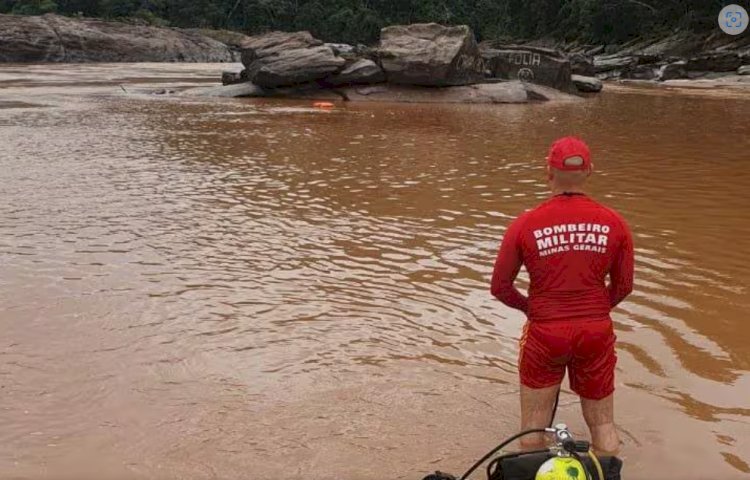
{"points": [[569, 245]]}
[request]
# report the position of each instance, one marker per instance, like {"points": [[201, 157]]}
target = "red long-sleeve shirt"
{"points": [[569, 244]]}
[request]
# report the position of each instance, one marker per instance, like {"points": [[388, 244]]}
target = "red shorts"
{"points": [[585, 347]]}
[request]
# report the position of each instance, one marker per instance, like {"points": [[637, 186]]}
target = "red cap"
{"points": [[570, 154]]}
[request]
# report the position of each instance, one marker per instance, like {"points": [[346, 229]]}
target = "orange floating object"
{"points": [[323, 105]]}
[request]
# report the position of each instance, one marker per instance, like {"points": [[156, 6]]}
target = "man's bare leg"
{"points": [[536, 412], [600, 418]]}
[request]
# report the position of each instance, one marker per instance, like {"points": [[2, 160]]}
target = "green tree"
{"points": [[34, 7]]}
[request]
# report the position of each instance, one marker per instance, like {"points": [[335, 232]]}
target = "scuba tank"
{"points": [[564, 461]]}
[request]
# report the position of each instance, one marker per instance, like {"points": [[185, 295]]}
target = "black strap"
{"points": [[571, 194]]}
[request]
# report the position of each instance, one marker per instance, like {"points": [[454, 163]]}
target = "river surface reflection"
{"points": [[257, 289]]}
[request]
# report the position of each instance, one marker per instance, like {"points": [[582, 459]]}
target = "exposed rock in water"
{"points": [[53, 38], [498, 92], [361, 72], [744, 70], [587, 84], [529, 64], [673, 71], [293, 67], [715, 62], [280, 59], [431, 55]]}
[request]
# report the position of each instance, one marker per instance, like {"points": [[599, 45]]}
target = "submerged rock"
{"points": [[430, 55], [245, 89]]}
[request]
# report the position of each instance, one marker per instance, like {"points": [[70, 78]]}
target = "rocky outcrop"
{"points": [[683, 55], [744, 70], [587, 84], [528, 64], [416, 63], [715, 62], [53, 38], [430, 55]]}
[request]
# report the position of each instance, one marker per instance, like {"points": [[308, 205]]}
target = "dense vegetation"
{"points": [[359, 21]]}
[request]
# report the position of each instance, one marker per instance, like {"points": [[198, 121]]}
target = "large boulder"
{"points": [[52, 38], [587, 84], [294, 67], [715, 62], [280, 59], [431, 55], [529, 64], [361, 72]]}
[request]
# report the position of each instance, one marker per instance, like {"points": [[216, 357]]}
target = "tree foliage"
{"points": [[359, 21]]}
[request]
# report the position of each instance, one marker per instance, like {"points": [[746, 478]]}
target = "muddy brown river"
{"points": [[222, 289]]}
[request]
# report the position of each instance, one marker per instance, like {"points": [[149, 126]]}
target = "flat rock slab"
{"points": [[274, 43], [237, 90], [485, 93]]}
